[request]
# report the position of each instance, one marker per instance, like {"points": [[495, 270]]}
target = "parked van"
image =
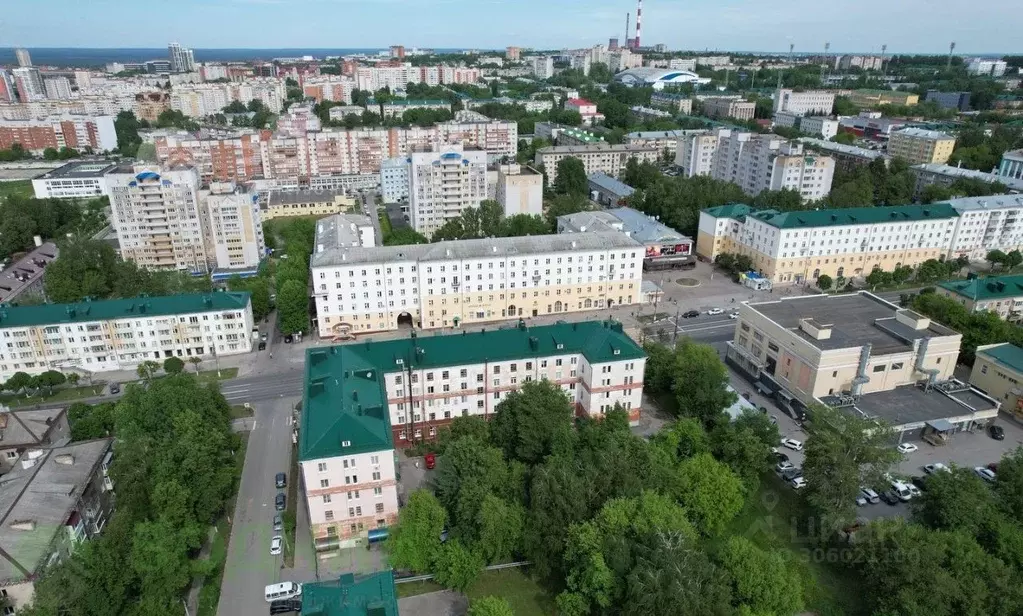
{"points": [[284, 590]]}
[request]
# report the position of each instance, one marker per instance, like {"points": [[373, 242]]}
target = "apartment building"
{"points": [[519, 190], [672, 102], [158, 217], [661, 243], [682, 64], [867, 63], [200, 100], [919, 146], [530, 104], [695, 153], [23, 279], [394, 180], [603, 157], [823, 127], [28, 82], [451, 284], [283, 203], [57, 88], [660, 139], [397, 108], [78, 132], [329, 88], [338, 114], [233, 156], [758, 162], [119, 334], [985, 224], [236, 242], [1002, 295], [846, 157], [794, 247], [876, 98], [808, 103], [947, 175], [1012, 165], [998, 371], [542, 66], [345, 230], [960, 101], [728, 108], [983, 66], [586, 109], [75, 180], [443, 183]]}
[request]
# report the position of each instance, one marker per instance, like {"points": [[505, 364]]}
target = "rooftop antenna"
{"points": [[951, 48]]}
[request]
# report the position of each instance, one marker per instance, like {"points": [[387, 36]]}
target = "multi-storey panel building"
{"points": [[233, 157], [362, 401], [75, 180], [603, 157], [986, 224], [235, 238], [443, 183], [812, 102], [119, 334], [76, 132], [768, 162], [158, 217], [447, 284], [918, 146]]}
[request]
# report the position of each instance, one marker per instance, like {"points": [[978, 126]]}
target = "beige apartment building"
{"points": [[918, 146], [794, 247], [1002, 295], [282, 203], [603, 157], [998, 371], [728, 108]]}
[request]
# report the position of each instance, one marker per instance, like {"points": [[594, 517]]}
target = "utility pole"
{"points": [[884, 68], [674, 336], [951, 48]]}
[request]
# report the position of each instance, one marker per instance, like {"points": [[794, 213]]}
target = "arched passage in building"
{"points": [[405, 321]]}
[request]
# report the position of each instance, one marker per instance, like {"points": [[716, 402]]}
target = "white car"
{"points": [[914, 491], [714, 311], [781, 467], [734, 315], [985, 473], [907, 448], [930, 469], [798, 483], [792, 443], [275, 545]]}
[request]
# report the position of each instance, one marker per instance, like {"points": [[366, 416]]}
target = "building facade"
{"points": [[1002, 295], [77, 132], [1012, 165], [451, 284], [758, 162], [998, 372], [394, 180], [809, 103], [603, 157], [75, 180], [823, 127], [960, 101], [282, 203], [986, 224], [443, 183], [947, 175], [728, 108], [918, 146], [119, 334], [235, 239], [519, 190], [876, 98], [159, 218]]}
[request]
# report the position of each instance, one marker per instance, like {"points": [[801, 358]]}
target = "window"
{"points": [[380, 507], [880, 368], [376, 476], [322, 467], [983, 370], [326, 498], [897, 365], [325, 483], [328, 515]]}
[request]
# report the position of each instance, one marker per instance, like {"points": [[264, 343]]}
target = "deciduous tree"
{"points": [[532, 422], [457, 566], [414, 543]]}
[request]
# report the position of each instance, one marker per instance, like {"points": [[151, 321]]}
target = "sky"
{"points": [[906, 26]]}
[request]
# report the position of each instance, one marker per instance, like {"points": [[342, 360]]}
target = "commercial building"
{"points": [[520, 190], [236, 242], [998, 371], [918, 146], [661, 243], [443, 183], [158, 217], [370, 594], [282, 203], [81, 133], [983, 66], [846, 156], [728, 108], [119, 334], [586, 109], [672, 102], [54, 499], [609, 159], [808, 103], [543, 66], [959, 101], [24, 277], [876, 98], [75, 180], [946, 175], [823, 127], [449, 284], [1002, 295], [394, 180], [985, 224], [607, 191], [1011, 165], [871, 125], [657, 78], [794, 247]]}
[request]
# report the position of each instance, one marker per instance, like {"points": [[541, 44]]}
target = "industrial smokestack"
{"points": [[639, 20], [627, 15]]}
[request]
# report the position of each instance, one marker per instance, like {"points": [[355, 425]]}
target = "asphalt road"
{"points": [[263, 387], [704, 328], [250, 566]]}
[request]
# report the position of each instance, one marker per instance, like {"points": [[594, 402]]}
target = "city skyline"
{"points": [[738, 25]]}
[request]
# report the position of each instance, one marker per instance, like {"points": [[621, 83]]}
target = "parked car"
{"points": [[985, 473], [871, 496], [262, 338], [689, 314], [275, 545], [278, 524], [779, 456], [281, 480], [792, 443], [907, 448], [431, 460], [280, 501], [792, 473], [774, 419], [996, 432], [920, 483], [798, 483], [715, 311], [763, 410], [285, 606], [781, 467], [288, 339], [913, 490], [890, 497], [262, 346], [115, 388], [930, 469], [734, 315]]}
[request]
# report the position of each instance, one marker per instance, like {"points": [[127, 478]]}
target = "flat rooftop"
{"points": [[26, 271], [80, 169], [340, 230], [855, 319], [292, 197], [911, 404]]}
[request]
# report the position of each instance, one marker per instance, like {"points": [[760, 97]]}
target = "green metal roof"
{"points": [[102, 310], [732, 210], [345, 398], [855, 216], [992, 287], [350, 595], [1009, 355]]}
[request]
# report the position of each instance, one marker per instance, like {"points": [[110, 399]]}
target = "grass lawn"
{"points": [[238, 411], [209, 596], [650, 318], [17, 187], [211, 375], [527, 598], [777, 517], [61, 395]]}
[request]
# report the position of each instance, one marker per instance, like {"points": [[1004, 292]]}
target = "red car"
{"points": [[431, 460]]}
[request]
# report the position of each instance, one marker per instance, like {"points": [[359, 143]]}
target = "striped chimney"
{"points": [[639, 20]]}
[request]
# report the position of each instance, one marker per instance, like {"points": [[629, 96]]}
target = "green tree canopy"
{"points": [[414, 543], [571, 177], [533, 422]]}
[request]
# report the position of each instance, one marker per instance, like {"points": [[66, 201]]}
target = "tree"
{"points": [[415, 541], [571, 177], [1009, 487], [700, 381], [710, 492], [824, 282], [235, 106], [521, 225], [404, 237], [50, 379], [640, 175], [51, 154], [195, 360], [293, 307], [500, 526], [745, 445], [763, 581], [682, 439], [673, 577], [173, 365], [147, 369], [468, 471], [563, 205], [533, 422], [1014, 259], [457, 566], [462, 427], [844, 451], [490, 606], [73, 378], [844, 138], [957, 500], [18, 382], [996, 257], [90, 421]]}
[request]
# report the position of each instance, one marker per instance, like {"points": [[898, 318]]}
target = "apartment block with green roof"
{"points": [[365, 400], [998, 372], [119, 334], [1002, 295]]}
